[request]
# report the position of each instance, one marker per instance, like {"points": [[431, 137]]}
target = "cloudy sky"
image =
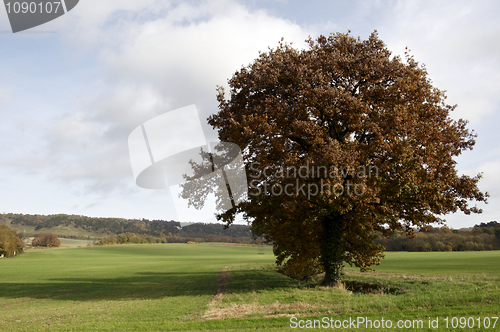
{"points": [[72, 90]]}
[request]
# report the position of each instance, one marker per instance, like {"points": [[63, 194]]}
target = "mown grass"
{"points": [[456, 263], [172, 287], [73, 243]]}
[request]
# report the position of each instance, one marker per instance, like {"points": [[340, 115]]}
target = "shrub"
{"points": [[10, 244], [46, 240]]}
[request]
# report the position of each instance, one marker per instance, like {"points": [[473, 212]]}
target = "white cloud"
{"points": [[151, 67], [92, 142], [490, 183], [86, 149], [458, 41], [154, 56], [491, 179], [5, 95], [188, 50]]}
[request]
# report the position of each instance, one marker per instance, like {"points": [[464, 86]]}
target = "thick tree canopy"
{"points": [[46, 240], [10, 244], [341, 141]]}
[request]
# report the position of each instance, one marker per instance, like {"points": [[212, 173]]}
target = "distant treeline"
{"points": [[485, 236], [98, 225], [144, 228], [126, 238]]}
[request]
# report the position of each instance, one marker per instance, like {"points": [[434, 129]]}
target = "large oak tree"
{"points": [[372, 120]]}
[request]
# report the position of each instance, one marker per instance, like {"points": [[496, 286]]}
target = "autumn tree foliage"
{"points": [[10, 244], [46, 240], [372, 135]]}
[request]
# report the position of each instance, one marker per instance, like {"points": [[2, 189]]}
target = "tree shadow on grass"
{"points": [[143, 285], [146, 285], [361, 287], [156, 285]]}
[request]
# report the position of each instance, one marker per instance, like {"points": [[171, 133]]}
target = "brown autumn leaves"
{"points": [[346, 104]]}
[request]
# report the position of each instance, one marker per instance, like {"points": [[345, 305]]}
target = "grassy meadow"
{"points": [[182, 287], [74, 243]]}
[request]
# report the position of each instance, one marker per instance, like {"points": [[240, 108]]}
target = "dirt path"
{"points": [[222, 280]]}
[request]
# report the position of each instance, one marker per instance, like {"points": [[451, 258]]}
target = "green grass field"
{"points": [[172, 287], [74, 243]]}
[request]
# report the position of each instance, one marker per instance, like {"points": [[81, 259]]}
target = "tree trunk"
{"points": [[332, 249]]}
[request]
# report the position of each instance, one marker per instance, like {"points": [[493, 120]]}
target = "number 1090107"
{"points": [[33, 7]]}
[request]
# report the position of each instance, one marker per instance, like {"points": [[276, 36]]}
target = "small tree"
{"points": [[10, 244], [372, 136], [46, 240], [52, 240]]}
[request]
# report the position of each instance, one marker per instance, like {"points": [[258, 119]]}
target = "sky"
{"points": [[72, 90]]}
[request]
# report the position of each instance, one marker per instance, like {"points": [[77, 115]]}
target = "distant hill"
{"points": [[485, 236], [77, 226]]}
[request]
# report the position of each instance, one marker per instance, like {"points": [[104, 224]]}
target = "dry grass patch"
{"points": [[217, 310], [268, 310], [417, 276], [222, 281]]}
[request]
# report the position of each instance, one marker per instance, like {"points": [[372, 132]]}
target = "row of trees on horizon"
{"points": [[481, 237], [113, 226], [126, 238], [485, 236]]}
